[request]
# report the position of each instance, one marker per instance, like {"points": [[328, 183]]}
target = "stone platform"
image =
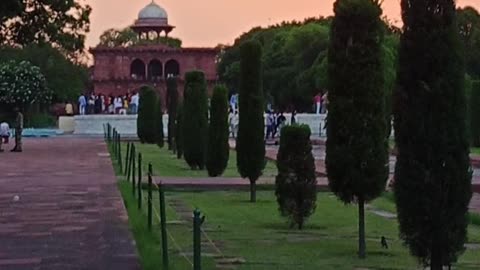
{"points": [[127, 124]]}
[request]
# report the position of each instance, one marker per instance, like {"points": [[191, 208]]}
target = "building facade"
{"points": [[121, 70]]}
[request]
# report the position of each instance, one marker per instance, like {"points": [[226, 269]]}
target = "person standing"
{"points": [[4, 134], [82, 104], [293, 118], [325, 103], [134, 103], [231, 123], [318, 103], [18, 131], [69, 109], [270, 124]]}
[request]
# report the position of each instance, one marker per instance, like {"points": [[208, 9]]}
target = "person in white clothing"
{"points": [[4, 134], [118, 104], [134, 104]]}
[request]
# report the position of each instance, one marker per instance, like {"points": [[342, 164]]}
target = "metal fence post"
{"points": [[120, 153], [163, 226], [133, 174], [197, 222], [139, 187], [149, 201], [127, 156]]}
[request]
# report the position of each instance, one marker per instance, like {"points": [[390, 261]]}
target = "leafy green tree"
{"points": [[250, 141], [64, 24], [357, 146], [22, 84], [195, 119], [64, 78], [468, 21], [147, 115], [126, 37], [432, 173], [218, 147], [179, 131], [296, 183], [172, 102], [159, 136]]}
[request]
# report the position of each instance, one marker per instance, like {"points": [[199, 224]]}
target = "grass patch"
{"points": [[475, 150], [166, 164]]}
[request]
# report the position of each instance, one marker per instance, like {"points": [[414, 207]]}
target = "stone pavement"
{"points": [[68, 214]]}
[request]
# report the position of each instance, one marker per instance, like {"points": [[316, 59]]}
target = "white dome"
{"points": [[152, 11]]}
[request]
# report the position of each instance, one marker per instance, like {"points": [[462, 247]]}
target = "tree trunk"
{"points": [[361, 228], [436, 258], [253, 191]]}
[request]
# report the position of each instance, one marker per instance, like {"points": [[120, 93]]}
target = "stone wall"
{"points": [[127, 124]]}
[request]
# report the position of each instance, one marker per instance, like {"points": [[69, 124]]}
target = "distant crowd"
{"points": [[101, 104]]}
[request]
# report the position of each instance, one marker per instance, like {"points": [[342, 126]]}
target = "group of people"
{"points": [[5, 133], [275, 123], [101, 104], [321, 103]]}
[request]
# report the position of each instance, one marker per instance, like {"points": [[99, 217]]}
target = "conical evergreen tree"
{"points": [[159, 135], [356, 149], [250, 141], [172, 100], [179, 131], [146, 115], [432, 173], [195, 120], [218, 147]]}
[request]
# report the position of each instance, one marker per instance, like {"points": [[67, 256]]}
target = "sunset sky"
{"points": [[210, 22]]}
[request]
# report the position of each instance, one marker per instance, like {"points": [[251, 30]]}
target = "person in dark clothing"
{"points": [[293, 119], [98, 105]]}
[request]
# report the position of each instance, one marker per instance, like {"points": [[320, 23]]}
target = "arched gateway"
{"points": [[119, 70]]}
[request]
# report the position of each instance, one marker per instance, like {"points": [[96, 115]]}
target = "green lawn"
{"points": [[165, 163], [475, 150]]}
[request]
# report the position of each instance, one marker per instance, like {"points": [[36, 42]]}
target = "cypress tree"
{"points": [[250, 144], [218, 147], [195, 119], [475, 113], [172, 100], [296, 181], [178, 131], [432, 176], [159, 136], [146, 115], [357, 145]]}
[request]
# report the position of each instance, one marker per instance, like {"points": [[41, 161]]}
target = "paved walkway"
{"points": [[69, 215]]}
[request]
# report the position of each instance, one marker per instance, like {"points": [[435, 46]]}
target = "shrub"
{"points": [[172, 100], [296, 180], [218, 147], [195, 120], [159, 136], [146, 115], [250, 141]]}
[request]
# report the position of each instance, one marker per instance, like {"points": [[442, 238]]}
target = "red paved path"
{"points": [[70, 214]]}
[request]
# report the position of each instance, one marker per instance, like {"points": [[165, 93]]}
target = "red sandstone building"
{"points": [[119, 70]]}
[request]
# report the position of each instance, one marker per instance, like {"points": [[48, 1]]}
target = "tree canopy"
{"points": [[64, 24], [126, 37], [65, 79]]}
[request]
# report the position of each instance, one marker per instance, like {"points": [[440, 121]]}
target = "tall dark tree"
{"points": [[432, 173], [218, 147], [64, 24], [146, 115], [172, 101], [475, 114], [296, 183], [179, 131], [250, 141], [159, 135], [357, 155], [195, 119]]}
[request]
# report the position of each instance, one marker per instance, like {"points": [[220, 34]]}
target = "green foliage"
{"points": [[172, 103], [22, 84], [250, 141], [126, 37], [65, 79], [357, 145], [468, 21], [218, 147], [195, 119], [64, 24], [146, 121], [294, 60], [432, 173], [159, 136], [179, 131], [296, 184], [40, 120]]}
